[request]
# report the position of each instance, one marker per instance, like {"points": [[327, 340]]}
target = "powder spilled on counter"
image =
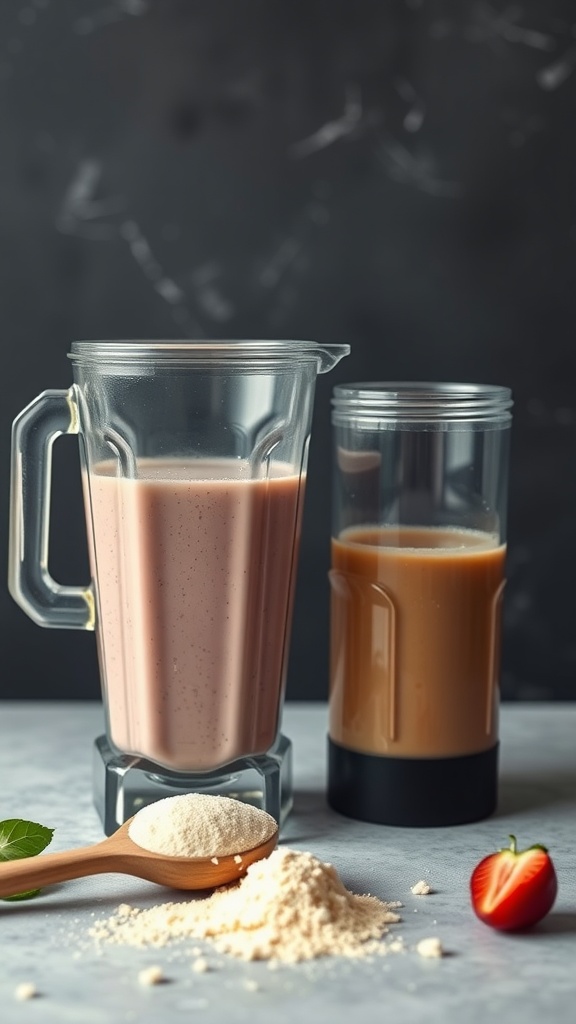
{"points": [[25, 990], [151, 975], [422, 888], [198, 825], [289, 907], [430, 949]]}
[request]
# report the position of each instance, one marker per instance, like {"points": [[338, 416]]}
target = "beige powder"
{"points": [[151, 975], [289, 907], [196, 825], [25, 990], [421, 888], [200, 966], [431, 948]]}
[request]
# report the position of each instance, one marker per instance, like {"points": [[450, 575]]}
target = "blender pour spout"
{"points": [[330, 355]]}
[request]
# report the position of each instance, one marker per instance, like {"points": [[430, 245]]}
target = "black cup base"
{"points": [[413, 792]]}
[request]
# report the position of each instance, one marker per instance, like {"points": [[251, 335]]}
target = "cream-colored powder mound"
{"points": [[196, 825], [25, 990], [151, 975], [422, 888], [289, 907], [430, 948]]}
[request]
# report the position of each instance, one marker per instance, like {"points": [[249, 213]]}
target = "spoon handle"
{"points": [[18, 876]]}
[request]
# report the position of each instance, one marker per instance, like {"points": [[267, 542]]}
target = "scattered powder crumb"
{"points": [[196, 951], [237, 859], [214, 860], [151, 975], [289, 907], [200, 966], [125, 910], [197, 825], [397, 945], [421, 888], [26, 990], [250, 985], [430, 948]]}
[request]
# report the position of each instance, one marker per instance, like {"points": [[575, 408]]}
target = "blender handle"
{"points": [[34, 431]]}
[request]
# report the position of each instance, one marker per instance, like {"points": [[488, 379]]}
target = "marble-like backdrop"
{"points": [[400, 176]]}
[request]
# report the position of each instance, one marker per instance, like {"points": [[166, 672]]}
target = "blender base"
{"points": [[124, 783], [415, 792]]}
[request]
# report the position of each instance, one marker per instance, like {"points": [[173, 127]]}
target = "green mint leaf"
{"points": [[22, 896], [22, 838]]}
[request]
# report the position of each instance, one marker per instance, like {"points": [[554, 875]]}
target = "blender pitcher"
{"points": [[193, 463]]}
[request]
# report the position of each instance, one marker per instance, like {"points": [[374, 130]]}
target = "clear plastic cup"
{"points": [[417, 578]]}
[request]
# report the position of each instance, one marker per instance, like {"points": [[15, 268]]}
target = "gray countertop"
{"points": [[45, 757]]}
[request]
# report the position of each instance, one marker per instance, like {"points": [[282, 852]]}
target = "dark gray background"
{"points": [[399, 176]]}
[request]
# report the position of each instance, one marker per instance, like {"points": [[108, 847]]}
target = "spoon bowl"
{"points": [[120, 854]]}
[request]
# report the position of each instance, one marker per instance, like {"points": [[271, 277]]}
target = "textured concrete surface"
{"points": [[45, 776]]}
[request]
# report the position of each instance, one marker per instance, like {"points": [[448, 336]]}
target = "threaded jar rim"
{"points": [[421, 402]]}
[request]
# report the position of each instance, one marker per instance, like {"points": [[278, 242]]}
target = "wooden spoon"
{"points": [[120, 854]]}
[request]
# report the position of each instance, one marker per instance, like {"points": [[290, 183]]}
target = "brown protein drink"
{"points": [[414, 653], [418, 553], [195, 567]]}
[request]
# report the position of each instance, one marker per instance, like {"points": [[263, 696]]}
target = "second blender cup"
{"points": [[418, 561]]}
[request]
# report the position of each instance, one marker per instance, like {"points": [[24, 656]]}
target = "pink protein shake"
{"points": [[194, 564]]}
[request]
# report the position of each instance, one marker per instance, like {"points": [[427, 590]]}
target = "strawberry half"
{"points": [[511, 890]]}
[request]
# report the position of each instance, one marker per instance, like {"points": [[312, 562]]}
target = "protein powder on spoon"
{"points": [[198, 825]]}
